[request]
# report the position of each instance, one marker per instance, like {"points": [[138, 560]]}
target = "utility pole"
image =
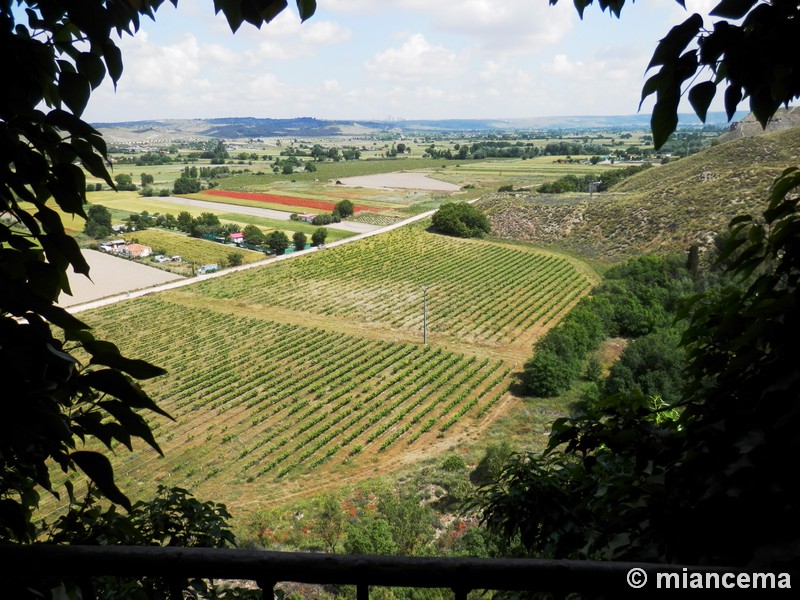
{"points": [[424, 289], [592, 187]]}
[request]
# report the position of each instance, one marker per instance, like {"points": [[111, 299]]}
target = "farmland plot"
{"points": [[478, 291], [311, 373]]}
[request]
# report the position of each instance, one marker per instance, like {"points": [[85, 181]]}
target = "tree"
{"points": [[648, 480], [370, 535], [253, 235], [319, 236], [631, 478], [329, 521], [55, 54], [147, 179], [652, 365], [206, 224], [173, 518], [98, 222], [299, 239], [125, 182], [344, 208], [184, 221], [235, 259], [491, 465], [277, 242], [186, 185], [411, 522], [460, 219], [746, 50]]}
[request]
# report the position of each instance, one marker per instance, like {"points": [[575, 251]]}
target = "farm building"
{"points": [[112, 245], [307, 217], [237, 238], [135, 250]]}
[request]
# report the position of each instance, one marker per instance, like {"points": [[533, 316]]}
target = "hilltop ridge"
{"points": [[664, 209], [253, 127]]}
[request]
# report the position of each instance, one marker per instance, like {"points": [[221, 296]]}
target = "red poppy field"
{"points": [[285, 200]]}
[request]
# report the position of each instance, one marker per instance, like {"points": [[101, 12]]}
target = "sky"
{"points": [[391, 59]]}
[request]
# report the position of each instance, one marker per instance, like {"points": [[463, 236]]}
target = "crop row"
{"points": [[474, 288], [255, 398]]}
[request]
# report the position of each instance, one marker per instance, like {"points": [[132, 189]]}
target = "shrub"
{"points": [[461, 220]]}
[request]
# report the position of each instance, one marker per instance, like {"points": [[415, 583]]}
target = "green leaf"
{"points": [[664, 119], [763, 106], [266, 12], [107, 354], [74, 89], [700, 97], [676, 41], [90, 66], [98, 468], [650, 87], [733, 9], [232, 11], [116, 384], [113, 58], [15, 517], [131, 423], [306, 8], [733, 95]]}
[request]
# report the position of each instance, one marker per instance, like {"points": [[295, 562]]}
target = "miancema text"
{"points": [[689, 580]]}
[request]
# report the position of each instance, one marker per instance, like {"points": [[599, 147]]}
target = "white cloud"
{"points": [[512, 26], [415, 59], [324, 32]]}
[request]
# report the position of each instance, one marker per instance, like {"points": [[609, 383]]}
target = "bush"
{"points": [[344, 208], [461, 220]]}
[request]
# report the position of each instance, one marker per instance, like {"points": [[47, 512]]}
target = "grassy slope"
{"points": [[663, 209]]}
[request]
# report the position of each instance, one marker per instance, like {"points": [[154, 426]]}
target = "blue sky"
{"points": [[404, 59]]}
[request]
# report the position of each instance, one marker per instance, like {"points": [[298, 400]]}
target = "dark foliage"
{"points": [[461, 220], [53, 58], [709, 479]]}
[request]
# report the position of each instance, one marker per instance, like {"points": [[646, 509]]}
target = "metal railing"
{"points": [[267, 569]]}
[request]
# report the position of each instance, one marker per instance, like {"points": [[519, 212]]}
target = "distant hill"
{"points": [[784, 118], [252, 127], [663, 209]]}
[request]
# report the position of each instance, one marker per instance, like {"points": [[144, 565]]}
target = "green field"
{"points": [[193, 251], [293, 377]]}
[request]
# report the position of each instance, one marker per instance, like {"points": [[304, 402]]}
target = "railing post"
{"points": [[460, 593], [267, 588], [175, 589], [362, 591]]}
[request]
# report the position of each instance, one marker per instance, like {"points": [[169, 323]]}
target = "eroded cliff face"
{"points": [[784, 118]]}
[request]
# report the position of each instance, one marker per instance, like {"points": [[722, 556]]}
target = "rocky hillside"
{"points": [[664, 209]]}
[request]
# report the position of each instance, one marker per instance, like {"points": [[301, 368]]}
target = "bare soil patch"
{"points": [[407, 181], [111, 275]]}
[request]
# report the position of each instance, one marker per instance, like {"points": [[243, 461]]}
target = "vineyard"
{"points": [[310, 371], [478, 291]]}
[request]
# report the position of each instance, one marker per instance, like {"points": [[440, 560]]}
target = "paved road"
{"points": [[266, 213]]}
